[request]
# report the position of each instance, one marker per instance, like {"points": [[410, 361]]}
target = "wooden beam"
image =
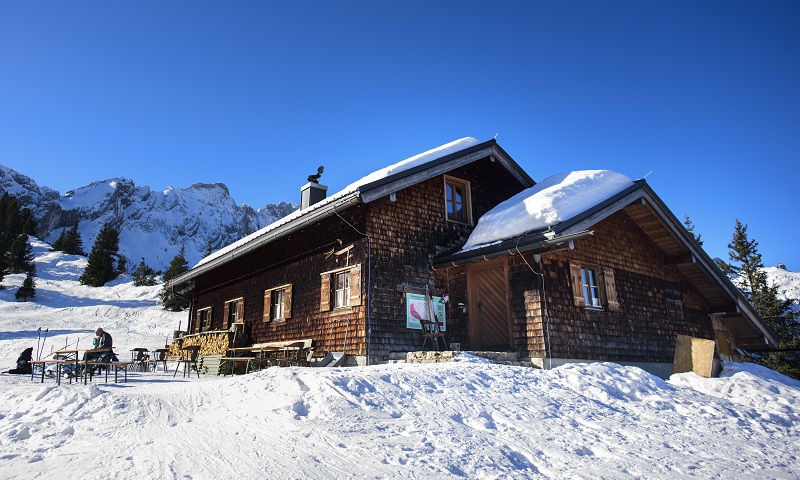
{"points": [[723, 310], [682, 259]]}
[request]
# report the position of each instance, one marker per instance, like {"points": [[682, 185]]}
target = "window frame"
{"points": [[271, 313], [328, 289], [466, 203], [203, 325], [592, 295], [237, 313], [604, 285], [341, 289]]}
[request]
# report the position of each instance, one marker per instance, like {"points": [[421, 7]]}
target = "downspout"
{"points": [[369, 282]]}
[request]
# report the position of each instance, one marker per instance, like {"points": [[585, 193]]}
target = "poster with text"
{"points": [[417, 310]]}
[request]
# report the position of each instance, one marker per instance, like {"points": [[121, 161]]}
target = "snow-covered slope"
{"points": [[469, 419], [788, 283], [152, 224]]}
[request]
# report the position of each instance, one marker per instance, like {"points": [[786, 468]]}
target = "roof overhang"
{"points": [[668, 233], [281, 230], [406, 178], [364, 193]]}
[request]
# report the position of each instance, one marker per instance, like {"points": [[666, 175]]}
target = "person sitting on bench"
{"points": [[102, 340]]}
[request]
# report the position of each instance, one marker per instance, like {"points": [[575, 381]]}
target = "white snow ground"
{"points": [[469, 419]]}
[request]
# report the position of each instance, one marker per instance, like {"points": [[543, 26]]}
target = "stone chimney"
{"points": [[311, 193]]}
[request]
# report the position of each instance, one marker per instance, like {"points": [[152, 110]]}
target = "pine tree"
{"points": [[687, 222], [779, 315], [209, 249], [177, 267], [101, 269], [144, 276], [28, 288], [73, 244], [20, 255], [59, 243]]}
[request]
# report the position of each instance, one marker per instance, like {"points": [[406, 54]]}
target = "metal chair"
{"points": [[188, 360]]}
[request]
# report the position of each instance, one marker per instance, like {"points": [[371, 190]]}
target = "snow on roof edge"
{"points": [[408, 163], [550, 202]]}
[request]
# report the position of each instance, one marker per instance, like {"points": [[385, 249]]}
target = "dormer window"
{"points": [[457, 200]]}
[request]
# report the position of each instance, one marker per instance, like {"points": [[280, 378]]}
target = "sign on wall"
{"points": [[416, 310]]}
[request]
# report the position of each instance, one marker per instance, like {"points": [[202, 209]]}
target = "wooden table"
{"points": [[238, 355]]}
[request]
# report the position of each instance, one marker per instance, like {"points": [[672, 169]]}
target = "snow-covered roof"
{"points": [[348, 191], [550, 202]]}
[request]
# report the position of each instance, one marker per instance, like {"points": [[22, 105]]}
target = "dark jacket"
{"points": [[104, 341]]}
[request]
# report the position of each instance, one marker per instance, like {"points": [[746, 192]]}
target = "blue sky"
{"points": [[256, 95]]}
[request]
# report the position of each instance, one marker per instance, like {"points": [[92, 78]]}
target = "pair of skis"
{"points": [[40, 348]]}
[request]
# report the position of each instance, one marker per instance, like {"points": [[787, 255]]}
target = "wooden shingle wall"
{"points": [[641, 331], [298, 259], [407, 234]]}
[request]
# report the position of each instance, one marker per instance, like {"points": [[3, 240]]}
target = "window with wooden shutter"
{"points": [[287, 302], [267, 306], [240, 311], [340, 289], [233, 313], [577, 285], [594, 287], [325, 292], [196, 328], [355, 286], [278, 303], [610, 290], [203, 319]]}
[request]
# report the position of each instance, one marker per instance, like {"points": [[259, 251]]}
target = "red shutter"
{"points": [[355, 286], [287, 302], [611, 290], [325, 292], [240, 311], [225, 325], [196, 322], [577, 285]]}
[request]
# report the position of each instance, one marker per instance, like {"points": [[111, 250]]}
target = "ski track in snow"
{"points": [[421, 421], [464, 420]]}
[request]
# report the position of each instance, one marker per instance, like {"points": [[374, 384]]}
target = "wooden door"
{"points": [[490, 328]]}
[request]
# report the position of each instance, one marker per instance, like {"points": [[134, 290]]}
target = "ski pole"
{"points": [[39, 355], [38, 337]]}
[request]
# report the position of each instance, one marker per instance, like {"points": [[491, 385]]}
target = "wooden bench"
{"points": [[289, 352], [230, 362], [58, 362], [117, 366]]}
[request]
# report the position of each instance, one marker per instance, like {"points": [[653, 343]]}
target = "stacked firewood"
{"points": [[211, 343]]}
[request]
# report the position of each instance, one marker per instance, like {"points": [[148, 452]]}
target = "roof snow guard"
{"points": [[374, 186]]}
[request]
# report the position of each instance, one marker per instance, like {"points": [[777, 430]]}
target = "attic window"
{"points": [[593, 287], [457, 200]]}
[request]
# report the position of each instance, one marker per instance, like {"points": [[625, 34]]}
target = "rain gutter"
{"points": [[510, 247]]}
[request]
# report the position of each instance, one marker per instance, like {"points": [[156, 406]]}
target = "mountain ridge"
{"points": [[153, 224]]}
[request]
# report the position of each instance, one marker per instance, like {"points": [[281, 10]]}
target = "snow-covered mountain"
{"points": [[152, 224]]}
